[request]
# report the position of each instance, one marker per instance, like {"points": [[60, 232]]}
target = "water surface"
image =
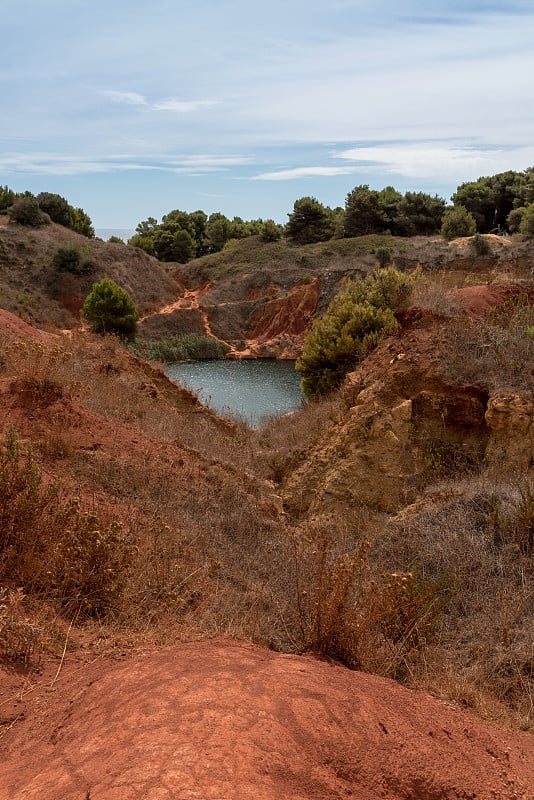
{"points": [[251, 390]]}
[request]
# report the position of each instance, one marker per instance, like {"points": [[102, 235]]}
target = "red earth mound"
{"points": [[220, 719]]}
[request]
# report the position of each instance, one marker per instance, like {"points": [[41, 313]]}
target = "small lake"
{"points": [[250, 390]]}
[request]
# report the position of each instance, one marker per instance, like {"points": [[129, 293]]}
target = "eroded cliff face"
{"points": [[510, 419], [405, 425], [282, 323]]}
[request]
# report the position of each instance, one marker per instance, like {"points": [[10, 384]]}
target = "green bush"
{"points": [[189, 347], [26, 211], [57, 208], [69, 258], [480, 245], [356, 321], [109, 309], [383, 256], [527, 222], [7, 197], [458, 221]]}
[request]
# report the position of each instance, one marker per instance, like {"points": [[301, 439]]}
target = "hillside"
{"points": [[274, 605], [31, 286]]}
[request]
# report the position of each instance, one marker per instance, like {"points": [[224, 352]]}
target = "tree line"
{"points": [[501, 203], [34, 210]]}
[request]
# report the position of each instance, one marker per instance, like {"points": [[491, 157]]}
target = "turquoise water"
{"points": [[250, 390]]}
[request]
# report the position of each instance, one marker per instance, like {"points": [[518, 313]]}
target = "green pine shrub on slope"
{"points": [[359, 317]]}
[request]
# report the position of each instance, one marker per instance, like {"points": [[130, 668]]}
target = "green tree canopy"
{"points": [[423, 212], [57, 208], [364, 213], [490, 199], [457, 221], [109, 309], [7, 197], [359, 317], [527, 221], [309, 222], [81, 223]]}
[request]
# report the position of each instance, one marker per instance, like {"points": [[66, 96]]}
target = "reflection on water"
{"points": [[249, 390]]}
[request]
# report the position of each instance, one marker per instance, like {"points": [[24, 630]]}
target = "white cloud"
{"points": [[183, 106], [128, 98], [203, 160], [303, 172], [170, 104], [438, 160]]}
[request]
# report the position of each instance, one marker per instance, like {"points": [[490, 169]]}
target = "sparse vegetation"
{"points": [[438, 596], [191, 346], [70, 258]]}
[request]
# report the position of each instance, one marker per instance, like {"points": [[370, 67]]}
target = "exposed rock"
{"points": [[283, 322], [510, 418]]}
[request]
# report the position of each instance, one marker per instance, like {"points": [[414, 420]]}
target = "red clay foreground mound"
{"points": [[223, 720]]}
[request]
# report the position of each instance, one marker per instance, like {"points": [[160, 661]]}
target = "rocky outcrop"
{"points": [[282, 323], [405, 425], [510, 418]]}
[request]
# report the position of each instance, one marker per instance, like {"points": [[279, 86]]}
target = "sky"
{"points": [[132, 109]]}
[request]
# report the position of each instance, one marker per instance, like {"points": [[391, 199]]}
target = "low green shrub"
{"points": [[26, 211], [357, 320], [70, 258], [480, 245], [189, 347]]}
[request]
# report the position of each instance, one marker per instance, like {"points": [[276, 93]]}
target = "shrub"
{"points": [[383, 256], [356, 321], [514, 218], [39, 370], [364, 619], [191, 346], [7, 198], [56, 207], [81, 223], [109, 309], [271, 232], [480, 245], [458, 221], [26, 211], [527, 222], [50, 546], [69, 258]]}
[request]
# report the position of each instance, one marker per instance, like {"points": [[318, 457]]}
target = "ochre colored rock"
{"points": [[510, 418]]}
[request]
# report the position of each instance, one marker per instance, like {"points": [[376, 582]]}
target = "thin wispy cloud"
{"points": [[255, 113], [303, 172], [437, 160], [170, 104]]}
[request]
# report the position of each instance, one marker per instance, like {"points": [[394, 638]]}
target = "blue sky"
{"points": [[131, 109]]}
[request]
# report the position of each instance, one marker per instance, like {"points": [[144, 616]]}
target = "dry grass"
{"points": [[496, 352], [479, 539], [434, 293]]}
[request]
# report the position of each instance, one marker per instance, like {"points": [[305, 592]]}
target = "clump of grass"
{"points": [[480, 538], [39, 369], [50, 546], [191, 346], [351, 612], [496, 351], [19, 638]]}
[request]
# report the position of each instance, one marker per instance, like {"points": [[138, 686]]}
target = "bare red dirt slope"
{"points": [[229, 721]]}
